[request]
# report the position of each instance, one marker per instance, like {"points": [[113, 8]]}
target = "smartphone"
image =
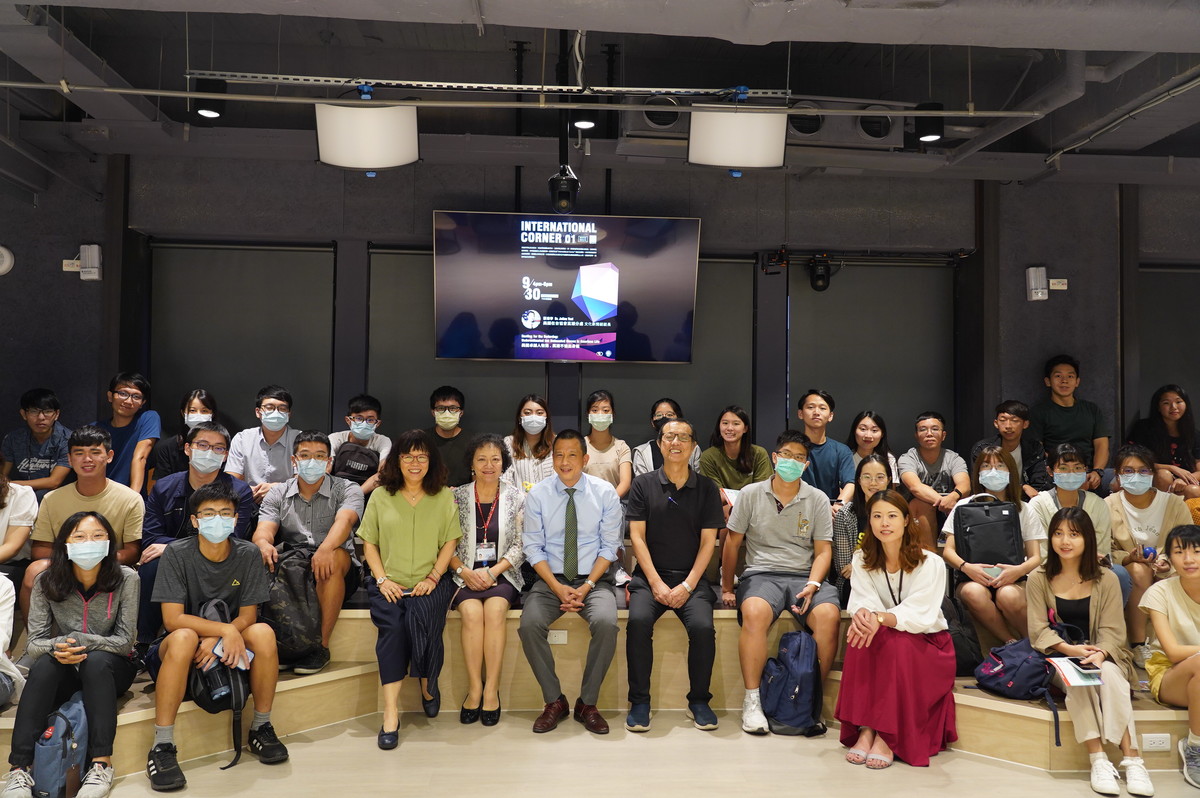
{"points": [[219, 652], [1086, 666], [994, 571]]}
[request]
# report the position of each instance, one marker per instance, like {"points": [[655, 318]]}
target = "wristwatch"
{"points": [[458, 571], [589, 583], [879, 617], [379, 580]]}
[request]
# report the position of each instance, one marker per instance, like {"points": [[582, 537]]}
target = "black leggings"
{"points": [[103, 677]]}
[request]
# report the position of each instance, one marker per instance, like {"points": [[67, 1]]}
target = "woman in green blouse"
{"points": [[409, 532]]}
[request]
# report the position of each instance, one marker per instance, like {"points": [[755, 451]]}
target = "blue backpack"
{"points": [[60, 753], [1016, 670], [791, 687]]}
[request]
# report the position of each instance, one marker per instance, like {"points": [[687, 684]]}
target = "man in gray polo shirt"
{"points": [[788, 534], [317, 511]]}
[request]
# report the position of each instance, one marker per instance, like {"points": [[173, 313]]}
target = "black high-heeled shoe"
{"points": [[489, 717], [467, 716], [387, 740]]}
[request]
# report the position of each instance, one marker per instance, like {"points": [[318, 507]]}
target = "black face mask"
{"points": [[659, 422]]}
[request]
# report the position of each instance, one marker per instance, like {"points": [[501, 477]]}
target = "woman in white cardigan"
{"points": [[487, 570], [896, 696]]}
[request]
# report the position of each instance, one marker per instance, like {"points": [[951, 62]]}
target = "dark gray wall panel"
{"points": [[1170, 223]]}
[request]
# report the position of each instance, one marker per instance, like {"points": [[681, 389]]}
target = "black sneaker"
{"points": [[313, 663], [264, 743], [162, 766]]}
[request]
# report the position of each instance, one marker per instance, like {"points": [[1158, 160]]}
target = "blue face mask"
{"points": [[362, 430], [88, 554], [1136, 484], [789, 470], [993, 479], [206, 462], [275, 420], [1069, 481], [216, 529], [311, 471]]}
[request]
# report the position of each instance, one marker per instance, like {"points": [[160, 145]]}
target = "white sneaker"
{"points": [[97, 782], [19, 784], [1137, 778], [621, 577], [1140, 655], [753, 719], [1105, 779]]}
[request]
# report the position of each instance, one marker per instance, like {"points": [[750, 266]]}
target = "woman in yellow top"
{"points": [[409, 532], [1141, 516]]}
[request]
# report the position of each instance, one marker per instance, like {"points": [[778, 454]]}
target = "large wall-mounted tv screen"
{"points": [[594, 289]]}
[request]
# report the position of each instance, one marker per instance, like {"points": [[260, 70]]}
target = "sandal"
{"points": [[856, 756], [873, 758]]}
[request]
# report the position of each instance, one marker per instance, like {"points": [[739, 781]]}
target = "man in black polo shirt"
{"points": [[673, 518]]}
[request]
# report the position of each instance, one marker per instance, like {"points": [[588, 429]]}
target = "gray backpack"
{"points": [[60, 753]]}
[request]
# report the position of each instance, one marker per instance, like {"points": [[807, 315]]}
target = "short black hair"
{"points": [[40, 399], [90, 435], [1060, 360], [312, 436], [1063, 453], [445, 392], [131, 378], [1184, 536], [208, 426], [1134, 450], [219, 490], [600, 395], [794, 436], [825, 395], [274, 392], [363, 403], [676, 420], [930, 415], [666, 400], [571, 435], [1013, 407], [489, 439]]}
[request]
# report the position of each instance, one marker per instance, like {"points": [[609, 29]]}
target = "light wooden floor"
{"points": [[441, 757]]}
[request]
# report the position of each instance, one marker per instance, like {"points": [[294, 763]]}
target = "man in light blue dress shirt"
{"points": [[571, 512]]}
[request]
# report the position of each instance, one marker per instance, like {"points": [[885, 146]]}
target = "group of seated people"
{"points": [[116, 536]]}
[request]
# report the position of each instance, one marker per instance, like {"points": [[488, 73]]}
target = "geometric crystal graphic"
{"points": [[596, 290]]}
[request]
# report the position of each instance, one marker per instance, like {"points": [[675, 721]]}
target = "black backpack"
{"points": [[291, 608], [988, 531], [220, 687], [967, 653], [355, 463]]}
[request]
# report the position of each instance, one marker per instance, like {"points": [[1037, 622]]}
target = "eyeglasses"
{"points": [[215, 513], [934, 430], [374, 422], [414, 458], [1128, 472], [273, 408], [126, 396], [41, 413], [803, 458], [84, 537], [681, 437], [882, 479], [447, 409], [205, 446], [320, 458]]}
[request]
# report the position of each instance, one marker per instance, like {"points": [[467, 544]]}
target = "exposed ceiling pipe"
{"points": [[1115, 69], [1066, 88]]}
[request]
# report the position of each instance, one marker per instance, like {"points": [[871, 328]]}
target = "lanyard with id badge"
{"points": [[485, 550]]}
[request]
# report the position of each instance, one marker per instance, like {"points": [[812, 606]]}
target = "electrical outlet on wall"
{"points": [[1156, 742]]}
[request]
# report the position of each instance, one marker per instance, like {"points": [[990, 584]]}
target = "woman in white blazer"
{"points": [[487, 569]]}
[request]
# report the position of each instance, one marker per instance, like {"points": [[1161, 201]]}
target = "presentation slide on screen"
{"points": [[532, 287]]}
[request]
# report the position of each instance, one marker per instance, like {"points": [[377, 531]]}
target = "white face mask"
{"points": [[600, 421], [192, 419], [533, 424]]}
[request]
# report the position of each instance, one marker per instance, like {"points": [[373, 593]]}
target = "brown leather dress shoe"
{"points": [[554, 712], [590, 717]]}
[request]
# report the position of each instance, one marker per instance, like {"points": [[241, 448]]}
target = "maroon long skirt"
{"points": [[902, 686]]}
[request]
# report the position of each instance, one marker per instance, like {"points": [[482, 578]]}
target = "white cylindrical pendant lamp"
{"points": [[367, 137], [726, 135]]}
